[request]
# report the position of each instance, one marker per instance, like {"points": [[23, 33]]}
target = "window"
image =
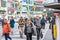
{"points": [[3, 3], [38, 3], [24, 8], [39, 9], [12, 5], [16, 7], [31, 8], [8, 4], [30, 1]]}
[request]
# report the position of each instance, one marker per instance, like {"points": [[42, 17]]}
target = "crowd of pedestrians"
{"points": [[26, 27]]}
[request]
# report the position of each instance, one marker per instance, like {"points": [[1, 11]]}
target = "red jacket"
{"points": [[6, 28]]}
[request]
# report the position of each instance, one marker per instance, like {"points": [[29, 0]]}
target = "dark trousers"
{"points": [[29, 36], [43, 25], [53, 37], [7, 36], [38, 33]]}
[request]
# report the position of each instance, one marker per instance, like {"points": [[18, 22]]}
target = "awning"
{"points": [[2, 11], [53, 5]]}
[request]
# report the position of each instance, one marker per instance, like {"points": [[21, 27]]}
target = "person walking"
{"points": [[21, 23], [12, 22], [53, 27], [43, 21], [28, 29], [6, 29], [38, 27]]}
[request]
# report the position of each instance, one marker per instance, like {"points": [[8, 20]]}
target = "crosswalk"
{"points": [[16, 35]]}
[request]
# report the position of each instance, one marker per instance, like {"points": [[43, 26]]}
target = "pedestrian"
{"points": [[6, 29], [43, 21], [38, 27], [47, 19], [53, 23], [21, 23], [28, 29], [12, 22], [50, 26]]}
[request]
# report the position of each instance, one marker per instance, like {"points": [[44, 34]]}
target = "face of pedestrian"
{"points": [[37, 17], [28, 21], [11, 18], [5, 21]]}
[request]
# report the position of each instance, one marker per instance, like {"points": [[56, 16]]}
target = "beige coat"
{"points": [[21, 23]]}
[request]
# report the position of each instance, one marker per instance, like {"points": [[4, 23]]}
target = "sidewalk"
{"points": [[48, 35]]}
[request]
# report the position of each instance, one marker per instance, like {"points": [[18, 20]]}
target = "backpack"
{"points": [[43, 20]]}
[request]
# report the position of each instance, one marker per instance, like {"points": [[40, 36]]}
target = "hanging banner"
{"points": [[9, 0], [39, 0]]}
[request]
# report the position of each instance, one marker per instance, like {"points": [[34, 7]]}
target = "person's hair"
{"points": [[26, 19], [3, 22]]}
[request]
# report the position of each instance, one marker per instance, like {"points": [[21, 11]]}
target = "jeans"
{"points": [[38, 33], [29, 36], [7, 36]]}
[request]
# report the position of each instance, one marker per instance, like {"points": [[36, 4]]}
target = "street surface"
{"points": [[46, 34]]}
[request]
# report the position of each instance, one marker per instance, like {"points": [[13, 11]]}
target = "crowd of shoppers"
{"points": [[26, 27]]}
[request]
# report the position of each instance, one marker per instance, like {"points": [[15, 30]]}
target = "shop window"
{"points": [[12, 5], [3, 3]]}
